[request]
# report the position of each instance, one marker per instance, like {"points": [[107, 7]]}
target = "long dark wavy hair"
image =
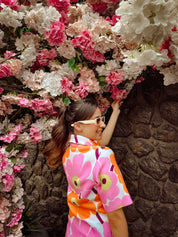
{"points": [[76, 111]]}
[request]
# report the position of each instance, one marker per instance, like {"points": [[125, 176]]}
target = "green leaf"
{"points": [[35, 92], [102, 79], [66, 101], [14, 160], [79, 59], [10, 147], [77, 69], [19, 147], [71, 62], [102, 83], [73, 67], [21, 31]]}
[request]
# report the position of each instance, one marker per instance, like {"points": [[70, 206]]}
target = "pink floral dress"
{"points": [[95, 187]]}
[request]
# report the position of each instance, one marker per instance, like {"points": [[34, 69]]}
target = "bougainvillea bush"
{"points": [[57, 51]]}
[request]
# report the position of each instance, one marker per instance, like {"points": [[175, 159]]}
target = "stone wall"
{"points": [[145, 142]]}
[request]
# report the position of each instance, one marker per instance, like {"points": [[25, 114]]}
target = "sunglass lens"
{"points": [[98, 121]]}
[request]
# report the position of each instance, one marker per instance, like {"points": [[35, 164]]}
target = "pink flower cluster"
{"points": [[9, 54], [66, 85], [139, 80], [10, 68], [9, 209], [1, 90], [175, 28], [23, 154], [4, 211], [5, 70], [60, 5], [166, 45], [40, 107], [99, 7], [73, 1], [56, 36], [114, 19], [87, 46], [3, 162], [13, 4], [45, 56], [16, 217], [8, 180], [82, 89], [117, 94], [18, 168], [115, 1], [115, 78], [12, 135], [35, 134]]}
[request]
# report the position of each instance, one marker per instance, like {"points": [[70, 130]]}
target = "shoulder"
{"points": [[104, 151]]}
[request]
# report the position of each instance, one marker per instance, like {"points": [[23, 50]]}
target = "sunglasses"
{"points": [[96, 121]]}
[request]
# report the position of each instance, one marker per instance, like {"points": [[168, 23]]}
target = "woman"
{"points": [[96, 189]]}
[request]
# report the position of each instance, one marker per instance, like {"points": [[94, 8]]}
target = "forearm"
{"points": [[108, 131], [118, 224]]}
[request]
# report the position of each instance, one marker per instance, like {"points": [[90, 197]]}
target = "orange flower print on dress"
{"points": [[81, 207], [100, 207], [66, 155], [73, 148], [117, 170], [84, 149]]}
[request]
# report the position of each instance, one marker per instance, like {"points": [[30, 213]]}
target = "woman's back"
{"points": [[95, 187]]}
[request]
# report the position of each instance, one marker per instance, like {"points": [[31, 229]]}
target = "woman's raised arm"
{"points": [[108, 131]]}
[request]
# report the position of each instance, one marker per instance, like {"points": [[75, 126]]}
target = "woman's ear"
{"points": [[77, 127]]}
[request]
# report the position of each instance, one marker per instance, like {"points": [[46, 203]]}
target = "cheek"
{"points": [[93, 132]]}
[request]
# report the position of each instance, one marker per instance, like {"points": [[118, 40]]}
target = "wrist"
{"points": [[116, 112]]}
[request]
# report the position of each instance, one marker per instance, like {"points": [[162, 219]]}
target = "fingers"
{"points": [[119, 102]]}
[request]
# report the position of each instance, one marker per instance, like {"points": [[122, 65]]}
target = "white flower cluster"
{"points": [[28, 56], [26, 40], [170, 75], [2, 44], [174, 44], [146, 21], [45, 125], [33, 80], [111, 65], [40, 18], [9, 17], [89, 18], [18, 192], [51, 83], [9, 169], [135, 61]]}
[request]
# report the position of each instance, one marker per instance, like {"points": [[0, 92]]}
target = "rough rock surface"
{"points": [[145, 143]]}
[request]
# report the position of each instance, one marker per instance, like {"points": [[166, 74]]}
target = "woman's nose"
{"points": [[103, 125]]}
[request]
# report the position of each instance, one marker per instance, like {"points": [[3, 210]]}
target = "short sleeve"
{"points": [[110, 184]]}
